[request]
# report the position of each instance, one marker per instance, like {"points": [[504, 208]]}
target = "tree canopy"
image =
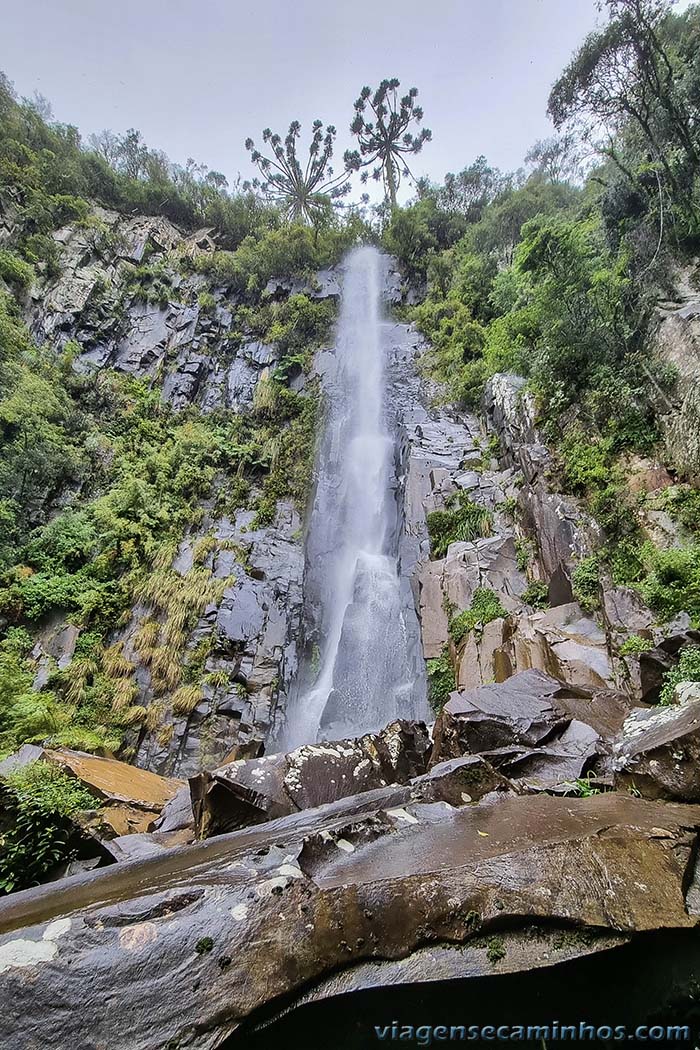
{"points": [[301, 191], [381, 123]]}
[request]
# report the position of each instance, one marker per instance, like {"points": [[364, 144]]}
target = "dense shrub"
{"points": [[686, 670], [441, 680], [460, 521], [38, 799]]}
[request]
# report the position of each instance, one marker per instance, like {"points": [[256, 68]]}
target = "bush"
{"points": [[485, 606], [585, 463], [634, 645], [686, 670], [39, 800], [672, 584], [585, 582], [15, 270], [461, 520], [536, 594], [441, 680]]}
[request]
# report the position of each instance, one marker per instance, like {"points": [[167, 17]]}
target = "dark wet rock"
{"points": [[533, 728], [522, 710], [250, 792], [658, 751], [180, 386], [359, 882], [654, 664], [459, 781], [177, 813]]}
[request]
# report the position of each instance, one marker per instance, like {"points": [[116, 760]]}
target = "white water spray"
{"points": [[365, 675]]}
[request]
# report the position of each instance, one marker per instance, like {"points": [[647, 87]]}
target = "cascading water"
{"points": [[367, 670]]}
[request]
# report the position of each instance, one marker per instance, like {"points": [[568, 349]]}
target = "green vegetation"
{"points": [[686, 670], [100, 480], [460, 521], [583, 787], [485, 606], [441, 680], [554, 274], [536, 594], [634, 645], [38, 801], [586, 582], [495, 950], [15, 270]]}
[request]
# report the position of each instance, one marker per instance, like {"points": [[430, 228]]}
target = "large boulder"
{"points": [[199, 939], [657, 753], [252, 791], [532, 727]]}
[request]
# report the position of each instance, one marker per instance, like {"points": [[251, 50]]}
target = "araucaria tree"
{"points": [[381, 124], [304, 192]]}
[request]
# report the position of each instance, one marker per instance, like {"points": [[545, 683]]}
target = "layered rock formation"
{"points": [[175, 332], [549, 814]]}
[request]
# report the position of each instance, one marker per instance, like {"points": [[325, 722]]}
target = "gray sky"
{"points": [[198, 77]]}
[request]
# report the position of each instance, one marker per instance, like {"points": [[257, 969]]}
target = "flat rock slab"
{"points": [[116, 781], [226, 926]]}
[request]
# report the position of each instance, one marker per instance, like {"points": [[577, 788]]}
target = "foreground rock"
{"points": [[228, 925], [250, 792], [657, 754], [129, 803]]}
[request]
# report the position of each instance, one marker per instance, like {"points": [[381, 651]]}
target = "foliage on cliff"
{"points": [[100, 478], [554, 274]]}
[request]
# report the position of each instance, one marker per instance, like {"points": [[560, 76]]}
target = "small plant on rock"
{"points": [[495, 950], [485, 606], [686, 670], [536, 594], [634, 645]]}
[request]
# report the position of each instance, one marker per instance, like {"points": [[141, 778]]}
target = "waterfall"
{"points": [[366, 670]]}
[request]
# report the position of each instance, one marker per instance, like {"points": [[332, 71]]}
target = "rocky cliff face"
{"points": [[549, 813], [175, 331], [677, 341]]}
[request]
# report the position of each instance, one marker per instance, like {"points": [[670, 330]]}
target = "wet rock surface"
{"points": [[250, 792], [357, 882]]}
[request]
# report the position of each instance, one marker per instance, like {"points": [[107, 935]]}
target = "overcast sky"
{"points": [[198, 76]]}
